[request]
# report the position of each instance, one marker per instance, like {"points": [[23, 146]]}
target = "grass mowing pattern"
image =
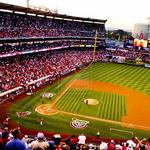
{"points": [[29, 103], [111, 106], [105, 72], [131, 76]]}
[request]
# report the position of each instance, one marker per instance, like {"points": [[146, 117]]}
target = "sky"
{"points": [[120, 14]]}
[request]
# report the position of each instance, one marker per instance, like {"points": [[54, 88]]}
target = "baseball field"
{"points": [[111, 98]]}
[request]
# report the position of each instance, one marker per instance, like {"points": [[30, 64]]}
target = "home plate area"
{"points": [[45, 109]]}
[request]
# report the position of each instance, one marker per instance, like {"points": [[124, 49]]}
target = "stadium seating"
{"points": [[28, 65], [24, 69], [19, 25], [57, 141], [36, 47]]}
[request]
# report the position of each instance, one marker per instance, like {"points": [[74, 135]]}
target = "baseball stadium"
{"points": [[58, 77]]}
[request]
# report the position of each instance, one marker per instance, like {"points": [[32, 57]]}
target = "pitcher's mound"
{"points": [[91, 101]]}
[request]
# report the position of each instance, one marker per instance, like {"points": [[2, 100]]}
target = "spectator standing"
{"points": [[40, 142], [25, 139], [82, 139], [147, 146], [5, 134], [118, 146], [131, 144], [1, 142], [57, 139], [111, 145], [73, 142], [103, 146], [15, 143]]}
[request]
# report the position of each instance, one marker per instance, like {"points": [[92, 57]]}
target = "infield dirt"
{"points": [[137, 102]]}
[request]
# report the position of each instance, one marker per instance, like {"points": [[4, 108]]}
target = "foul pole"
{"points": [[95, 41]]}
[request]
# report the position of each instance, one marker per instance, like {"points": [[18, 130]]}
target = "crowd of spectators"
{"points": [[32, 46], [23, 69], [128, 54], [14, 25], [132, 54], [13, 139]]}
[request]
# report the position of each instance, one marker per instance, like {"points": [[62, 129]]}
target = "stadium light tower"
{"points": [[148, 28], [27, 2]]}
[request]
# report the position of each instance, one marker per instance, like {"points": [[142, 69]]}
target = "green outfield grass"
{"points": [[135, 77], [111, 106]]}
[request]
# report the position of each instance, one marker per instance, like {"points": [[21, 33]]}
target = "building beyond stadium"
{"points": [[143, 29]]}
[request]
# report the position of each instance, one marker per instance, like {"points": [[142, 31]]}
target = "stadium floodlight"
{"points": [[27, 2], [148, 28]]}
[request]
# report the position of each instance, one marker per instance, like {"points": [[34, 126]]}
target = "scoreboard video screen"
{"points": [[140, 43]]}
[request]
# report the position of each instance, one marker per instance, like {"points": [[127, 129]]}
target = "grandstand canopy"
{"points": [[26, 10]]}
